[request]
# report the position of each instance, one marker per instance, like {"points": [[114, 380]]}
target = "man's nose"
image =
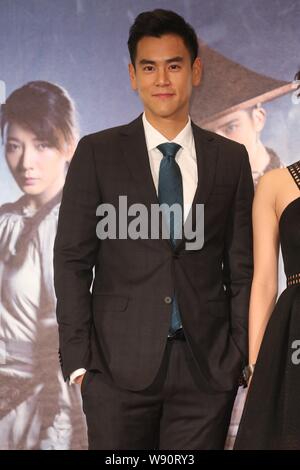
{"points": [[162, 77], [27, 159]]}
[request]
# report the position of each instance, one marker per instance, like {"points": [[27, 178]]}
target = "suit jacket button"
{"points": [[167, 300]]}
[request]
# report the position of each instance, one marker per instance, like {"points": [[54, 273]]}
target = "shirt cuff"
{"points": [[76, 374]]}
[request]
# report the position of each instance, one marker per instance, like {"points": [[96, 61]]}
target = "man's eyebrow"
{"points": [[168, 61], [11, 138], [175, 59], [231, 121], [35, 139]]}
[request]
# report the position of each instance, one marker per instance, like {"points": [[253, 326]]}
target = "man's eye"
{"points": [[174, 67], [148, 68], [42, 146], [12, 147], [231, 128]]}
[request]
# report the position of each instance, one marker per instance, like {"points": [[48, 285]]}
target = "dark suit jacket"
{"points": [[121, 324]]}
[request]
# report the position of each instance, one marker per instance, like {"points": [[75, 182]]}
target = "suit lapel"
{"points": [[137, 160], [207, 157]]}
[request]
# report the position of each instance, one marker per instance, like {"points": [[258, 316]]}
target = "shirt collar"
{"points": [[154, 137]]}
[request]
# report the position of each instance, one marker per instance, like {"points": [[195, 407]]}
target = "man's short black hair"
{"points": [[158, 22]]}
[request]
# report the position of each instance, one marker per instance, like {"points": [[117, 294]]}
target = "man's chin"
{"points": [[30, 191], [164, 113]]}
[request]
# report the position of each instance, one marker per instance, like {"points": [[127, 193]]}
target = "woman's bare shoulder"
{"points": [[271, 182], [274, 181], [275, 176]]}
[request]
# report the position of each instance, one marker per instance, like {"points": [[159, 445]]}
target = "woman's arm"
{"points": [[266, 247]]}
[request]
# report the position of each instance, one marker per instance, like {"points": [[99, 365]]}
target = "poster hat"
{"points": [[227, 86]]}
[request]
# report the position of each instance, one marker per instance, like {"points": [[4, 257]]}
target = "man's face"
{"points": [[242, 126], [164, 76]]}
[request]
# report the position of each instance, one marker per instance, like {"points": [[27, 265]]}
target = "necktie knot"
{"points": [[169, 149]]}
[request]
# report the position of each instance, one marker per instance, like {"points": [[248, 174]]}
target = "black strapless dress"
{"points": [[271, 417]]}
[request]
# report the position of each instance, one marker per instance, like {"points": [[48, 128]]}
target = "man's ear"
{"points": [[259, 116], [197, 71], [132, 76]]}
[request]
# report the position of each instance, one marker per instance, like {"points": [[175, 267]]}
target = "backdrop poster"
{"points": [[250, 55]]}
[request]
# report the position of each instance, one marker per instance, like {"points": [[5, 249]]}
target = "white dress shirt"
{"points": [[185, 157], [187, 161]]}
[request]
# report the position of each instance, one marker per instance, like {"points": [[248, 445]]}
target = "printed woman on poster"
{"points": [[39, 134]]}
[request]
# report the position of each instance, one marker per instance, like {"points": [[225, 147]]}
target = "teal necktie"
{"points": [[170, 192]]}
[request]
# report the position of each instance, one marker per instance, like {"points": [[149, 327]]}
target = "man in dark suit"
{"points": [[160, 341]]}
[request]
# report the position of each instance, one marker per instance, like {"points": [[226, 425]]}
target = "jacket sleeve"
{"points": [[238, 256], [75, 250]]}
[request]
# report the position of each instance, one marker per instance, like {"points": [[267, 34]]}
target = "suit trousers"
{"points": [[176, 412]]}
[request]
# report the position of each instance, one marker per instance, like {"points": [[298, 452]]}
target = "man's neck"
{"points": [[168, 127]]}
